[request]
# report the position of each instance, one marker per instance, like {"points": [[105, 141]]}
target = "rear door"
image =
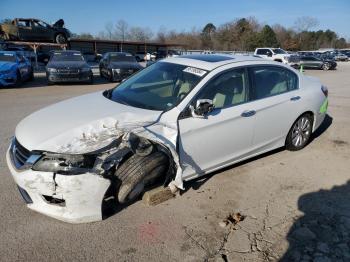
{"points": [[276, 97]]}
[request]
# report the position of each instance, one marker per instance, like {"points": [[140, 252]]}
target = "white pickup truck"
{"points": [[277, 54]]}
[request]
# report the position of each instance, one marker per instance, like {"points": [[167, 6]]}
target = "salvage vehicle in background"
{"points": [[173, 121], [116, 66], [31, 29], [313, 62], [14, 69], [68, 66], [278, 55]]}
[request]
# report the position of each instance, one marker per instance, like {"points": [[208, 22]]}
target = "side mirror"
{"points": [[203, 107], [269, 54]]}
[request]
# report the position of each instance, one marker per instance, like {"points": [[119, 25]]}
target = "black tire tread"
{"points": [[136, 168]]}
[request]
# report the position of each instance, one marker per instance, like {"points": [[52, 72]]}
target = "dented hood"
{"points": [[80, 125]]}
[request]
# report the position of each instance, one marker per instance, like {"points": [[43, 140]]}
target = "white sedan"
{"points": [[175, 120]]}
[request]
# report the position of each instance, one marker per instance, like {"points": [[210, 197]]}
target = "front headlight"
{"points": [[117, 70], [64, 164], [52, 70]]}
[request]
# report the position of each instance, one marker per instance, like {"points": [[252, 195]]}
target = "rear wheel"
{"points": [[300, 133], [138, 172]]}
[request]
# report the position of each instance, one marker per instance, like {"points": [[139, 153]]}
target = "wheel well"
{"points": [[305, 113]]}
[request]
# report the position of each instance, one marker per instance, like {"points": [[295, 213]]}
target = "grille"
{"points": [[68, 71], [19, 154]]}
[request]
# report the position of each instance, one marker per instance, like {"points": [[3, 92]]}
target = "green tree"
{"points": [[206, 36], [267, 37]]}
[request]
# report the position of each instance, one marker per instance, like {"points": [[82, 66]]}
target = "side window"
{"points": [[270, 81], [228, 89], [261, 52]]}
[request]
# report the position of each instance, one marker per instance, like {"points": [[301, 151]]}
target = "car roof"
{"points": [[210, 61], [8, 52], [65, 51], [120, 53]]}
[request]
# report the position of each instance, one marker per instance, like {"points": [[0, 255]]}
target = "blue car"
{"points": [[14, 68]]}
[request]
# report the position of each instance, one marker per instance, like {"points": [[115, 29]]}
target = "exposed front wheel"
{"points": [[300, 133], [325, 66], [60, 39], [138, 172]]}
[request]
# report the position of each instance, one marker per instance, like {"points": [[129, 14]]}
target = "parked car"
{"points": [[174, 121], [340, 57], [160, 54], [278, 55], [14, 69], [31, 29], [116, 66], [92, 57], [144, 56], [317, 63], [25, 51], [68, 66]]}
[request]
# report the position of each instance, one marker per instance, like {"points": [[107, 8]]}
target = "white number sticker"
{"points": [[195, 71]]}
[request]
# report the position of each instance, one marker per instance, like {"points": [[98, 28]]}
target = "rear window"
{"points": [[121, 58], [7, 57], [67, 57]]}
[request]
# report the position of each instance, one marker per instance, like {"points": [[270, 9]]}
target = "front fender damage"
{"points": [[112, 140]]}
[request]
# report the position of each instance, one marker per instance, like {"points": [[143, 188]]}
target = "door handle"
{"points": [[248, 113], [295, 98]]}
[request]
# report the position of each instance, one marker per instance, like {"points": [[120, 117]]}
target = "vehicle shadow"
{"points": [[323, 232]]}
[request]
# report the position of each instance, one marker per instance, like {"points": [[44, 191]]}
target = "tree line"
{"points": [[241, 34]]}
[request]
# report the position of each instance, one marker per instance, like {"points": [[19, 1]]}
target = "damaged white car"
{"points": [[173, 121]]}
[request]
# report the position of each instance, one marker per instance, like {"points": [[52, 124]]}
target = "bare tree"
{"points": [[109, 30], [305, 23], [121, 30], [140, 33]]}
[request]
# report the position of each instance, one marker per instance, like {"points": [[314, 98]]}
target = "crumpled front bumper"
{"points": [[76, 198]]}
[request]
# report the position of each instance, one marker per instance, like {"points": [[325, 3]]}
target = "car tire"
{"points": [[138, 172], [18, 79], [110, 76], [325, 67], [91, 80], [31, 76], [300, 133], [60, 39], [49, 83]]}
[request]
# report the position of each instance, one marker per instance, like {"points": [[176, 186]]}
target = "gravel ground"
{"points": [[296, 205]]}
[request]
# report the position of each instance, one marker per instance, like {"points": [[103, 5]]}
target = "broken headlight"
{"points": [[64, 164]]}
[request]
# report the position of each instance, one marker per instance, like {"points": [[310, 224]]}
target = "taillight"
{"points": [[324, 90]]}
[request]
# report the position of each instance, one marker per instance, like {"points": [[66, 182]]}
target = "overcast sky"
{"points": [[91, 16]]}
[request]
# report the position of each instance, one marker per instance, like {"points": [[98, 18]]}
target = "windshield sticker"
{"points": [[195, 71]]}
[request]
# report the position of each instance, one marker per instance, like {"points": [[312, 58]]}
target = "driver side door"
{"points": [[225, 134]]}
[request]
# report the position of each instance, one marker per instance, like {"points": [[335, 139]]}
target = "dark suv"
{"points": [[31, 29]]}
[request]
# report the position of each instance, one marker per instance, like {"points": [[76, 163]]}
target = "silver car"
{"points": [[173, 121]]}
